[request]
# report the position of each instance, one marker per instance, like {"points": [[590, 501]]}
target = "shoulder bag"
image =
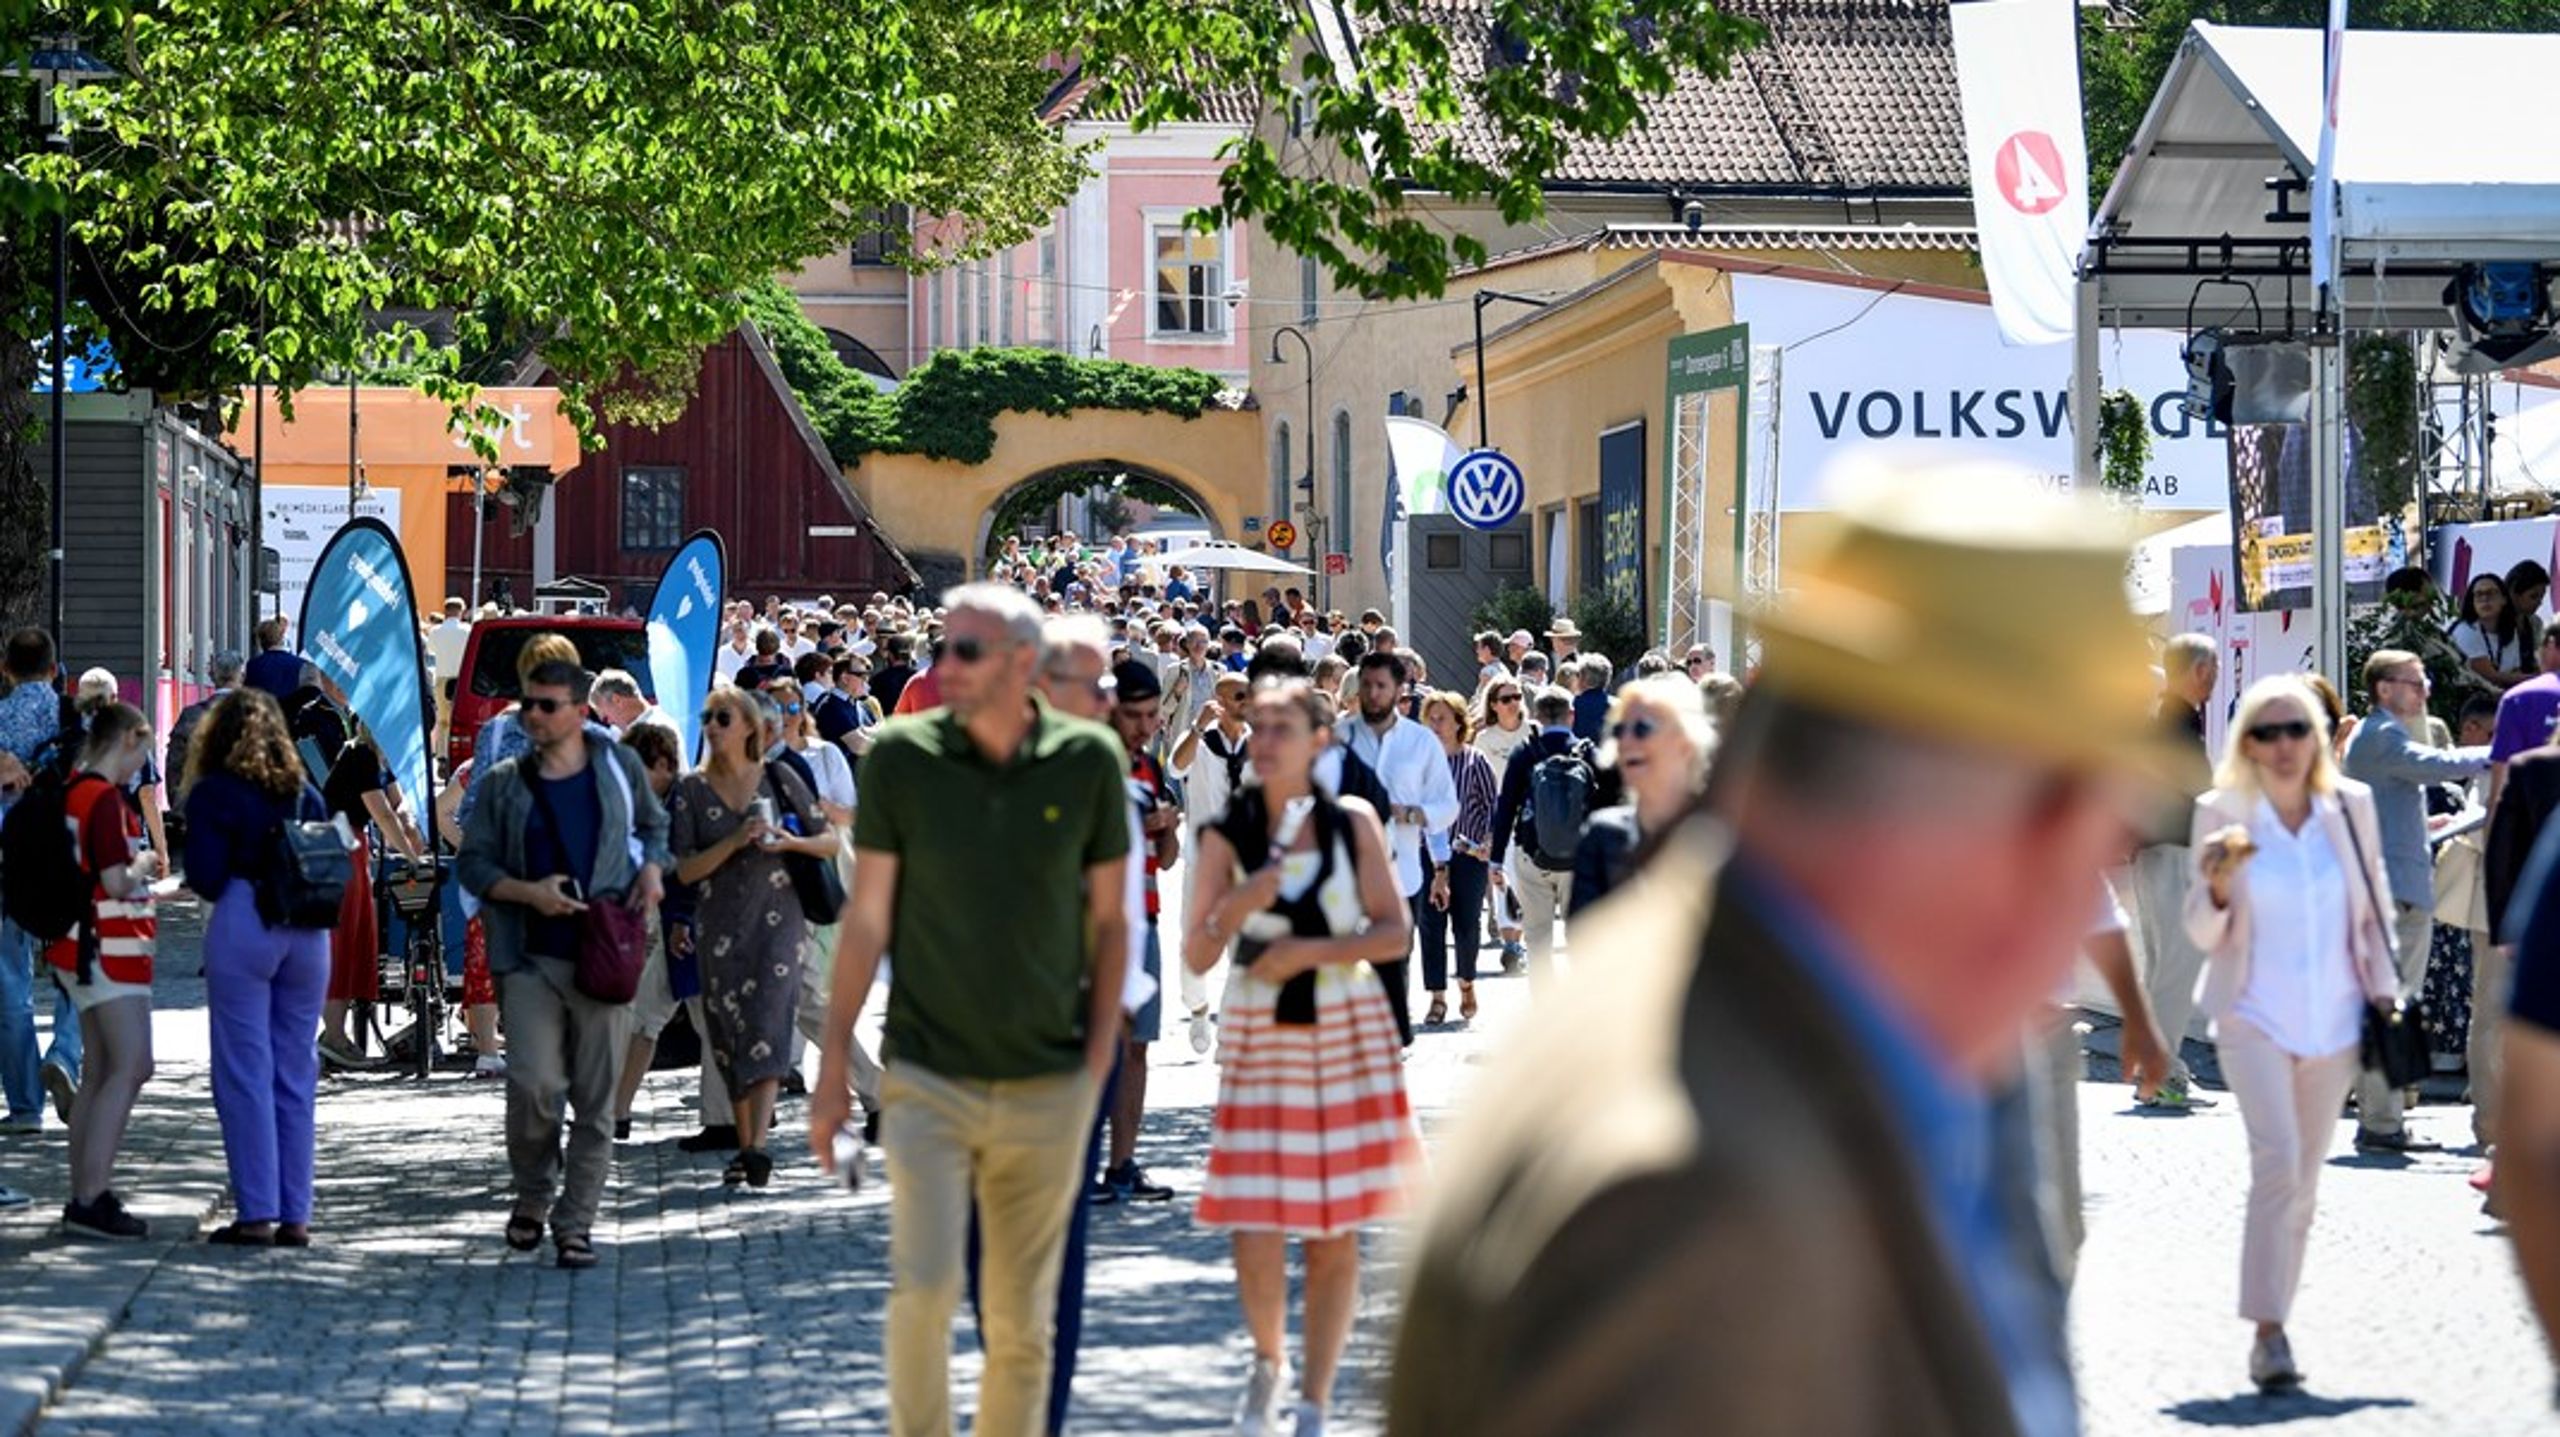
{"points": [[2397, 1043], [814, 880], [613, 934]]}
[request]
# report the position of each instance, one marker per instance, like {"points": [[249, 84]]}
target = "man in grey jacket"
{"points": [[571, 823], [2386, 755]]}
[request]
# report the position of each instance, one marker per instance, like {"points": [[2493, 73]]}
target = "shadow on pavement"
{"points": [[2259, 1409]]}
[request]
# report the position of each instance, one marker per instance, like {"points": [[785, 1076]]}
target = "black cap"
{"points": [[1133, 682]]}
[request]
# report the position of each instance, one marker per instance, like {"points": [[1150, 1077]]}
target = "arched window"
{"points": [[1282, 472], [1341, 482], [854, 354]]}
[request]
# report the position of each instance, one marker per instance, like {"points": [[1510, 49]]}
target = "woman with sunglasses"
{"points": [[1459, 858], [1502, 725], [729, 823], [1658, 742], [800, 733], [2287, 907], [1313, 1136]]}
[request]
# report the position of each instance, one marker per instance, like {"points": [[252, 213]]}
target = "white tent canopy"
{"points": [[1229, 555], [2445, 156]]}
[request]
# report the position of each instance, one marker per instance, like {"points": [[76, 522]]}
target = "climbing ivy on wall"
{"points": [[946, 407]]}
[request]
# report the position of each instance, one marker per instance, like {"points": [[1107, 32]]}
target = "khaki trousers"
{"points": [[2171, 962], [564, 1057], [1018, 1148], [2379, 1106], [2289, 1106], [2489, 986], [1545, 895]]}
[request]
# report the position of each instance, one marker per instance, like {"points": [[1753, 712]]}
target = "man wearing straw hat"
{"points": [[1743, 1174]]}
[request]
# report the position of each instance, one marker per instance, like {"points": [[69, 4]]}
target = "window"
{"points": [[887, 237], [1308, 281], [1341, 481], [1400, 402], [986, 301], [1043, 297], [652, 506], [933, 313], [1509, 553], [1586, 543], [1281, 470], [1190, 281], [1004, 286], [1444, 553], [961, 283]]}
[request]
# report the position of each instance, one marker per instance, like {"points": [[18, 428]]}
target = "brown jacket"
{"points": [[1679, 1206]]}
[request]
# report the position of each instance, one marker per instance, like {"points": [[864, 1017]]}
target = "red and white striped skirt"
{"points": [[1313, 1135]]}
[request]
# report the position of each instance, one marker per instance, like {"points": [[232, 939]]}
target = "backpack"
{"points": [[1560, 789], [42, 885], [308, 870]]}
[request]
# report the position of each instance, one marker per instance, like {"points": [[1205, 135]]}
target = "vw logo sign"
{"points": [[1486, 490]]}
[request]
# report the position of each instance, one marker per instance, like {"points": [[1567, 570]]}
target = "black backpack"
{"points": [[1560, 792], [42, 885], [308, 870]]}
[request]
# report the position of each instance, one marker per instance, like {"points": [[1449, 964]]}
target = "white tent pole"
{"points": [[2084, 386], [2328, 497]]}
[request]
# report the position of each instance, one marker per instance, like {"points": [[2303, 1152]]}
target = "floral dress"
{"points": [[747, 927]]}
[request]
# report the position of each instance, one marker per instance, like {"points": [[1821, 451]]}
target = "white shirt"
{"points": [[2302, 990], [2475, 642], [1496, 743], [1206, 791], [1411, 763], [445, 643], [729, 660], [835, 775]]}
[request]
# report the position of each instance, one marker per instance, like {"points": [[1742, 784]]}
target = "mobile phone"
{"points": [[577, 891], [848, 1155]]}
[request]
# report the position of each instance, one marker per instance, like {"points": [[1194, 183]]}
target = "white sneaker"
{"points": [[489, 1065], [1258, 1414], [1310, 1420], [1203, 1033]]}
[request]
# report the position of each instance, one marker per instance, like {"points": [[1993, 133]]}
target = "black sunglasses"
{"points": [[717, 718], [967, 651], [2270, 732], [549, 706], [1506, 698], [1633, 728]]}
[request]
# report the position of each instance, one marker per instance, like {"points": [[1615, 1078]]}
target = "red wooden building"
{"points": [[742, 460]]}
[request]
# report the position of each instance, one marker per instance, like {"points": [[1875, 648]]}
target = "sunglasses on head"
{"points": [[548, 706], [2288, 728], [1634, 728]]}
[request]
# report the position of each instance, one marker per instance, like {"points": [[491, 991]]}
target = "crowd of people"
{"points": [[1834, 917]]}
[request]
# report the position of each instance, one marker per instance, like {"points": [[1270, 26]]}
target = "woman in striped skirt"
{"points": [[1313, 1137]]}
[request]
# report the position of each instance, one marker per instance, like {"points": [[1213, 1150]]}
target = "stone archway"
{"points": [[938, 510], [981, 551]]}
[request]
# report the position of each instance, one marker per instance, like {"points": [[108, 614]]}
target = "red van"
{"points": [[488, 682]]}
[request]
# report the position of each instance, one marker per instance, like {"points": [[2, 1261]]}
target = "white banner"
{"points": [[1875, 376], [299, 521], [2018, 66]]}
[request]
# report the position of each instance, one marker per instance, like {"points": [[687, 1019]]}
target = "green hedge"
{"points": [[946, 407]]}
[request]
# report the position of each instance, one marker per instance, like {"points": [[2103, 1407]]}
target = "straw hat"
{"points": [[1563, 629], [1975, 608]]}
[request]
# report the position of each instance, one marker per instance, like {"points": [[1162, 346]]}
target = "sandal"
{"points": [[576, 1253], [1466, 1002], [1439, 1011], [524, 1232], [233, 1234], [759, 1166], [735, 1174]]}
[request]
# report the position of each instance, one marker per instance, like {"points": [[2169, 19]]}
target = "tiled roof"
{"points": [[1845, 95], [1074, 99], [1743, 239]]}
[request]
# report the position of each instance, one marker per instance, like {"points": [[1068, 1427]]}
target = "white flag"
{"points": [[2018, 65], [1423, 454]]}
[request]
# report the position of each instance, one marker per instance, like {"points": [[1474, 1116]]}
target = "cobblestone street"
{"points": [[743, 1312]]}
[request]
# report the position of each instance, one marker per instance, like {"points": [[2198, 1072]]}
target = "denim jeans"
{"points": [[21, 1064]]}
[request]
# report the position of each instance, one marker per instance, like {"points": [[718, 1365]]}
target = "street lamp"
{"points": [[1306, 484], [57, 63]]}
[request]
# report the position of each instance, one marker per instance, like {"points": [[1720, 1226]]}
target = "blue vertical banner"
{"points": [[684, 631], [360, 629]]}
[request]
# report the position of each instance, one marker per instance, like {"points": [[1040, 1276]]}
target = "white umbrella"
{"points": [[1227, 554]]}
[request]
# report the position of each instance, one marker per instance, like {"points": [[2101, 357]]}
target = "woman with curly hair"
{"points": [[263, 983]]}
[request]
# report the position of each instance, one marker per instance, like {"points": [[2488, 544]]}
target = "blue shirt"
{"points": [[231, 826], [278, 671], [30, 716], [1590, 714], [568, 819], [1955, 1140]]}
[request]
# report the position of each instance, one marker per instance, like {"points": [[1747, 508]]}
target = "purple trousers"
{"points": [[263, 988]]}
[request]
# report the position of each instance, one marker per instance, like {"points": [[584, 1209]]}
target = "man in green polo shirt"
{"points": [[991, 842]]}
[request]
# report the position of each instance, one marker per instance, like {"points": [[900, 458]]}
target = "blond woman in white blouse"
{"points": [[2287, 907]]}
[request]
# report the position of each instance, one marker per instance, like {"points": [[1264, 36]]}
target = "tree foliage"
{"points": [[946, 407], [2123, 61]]}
